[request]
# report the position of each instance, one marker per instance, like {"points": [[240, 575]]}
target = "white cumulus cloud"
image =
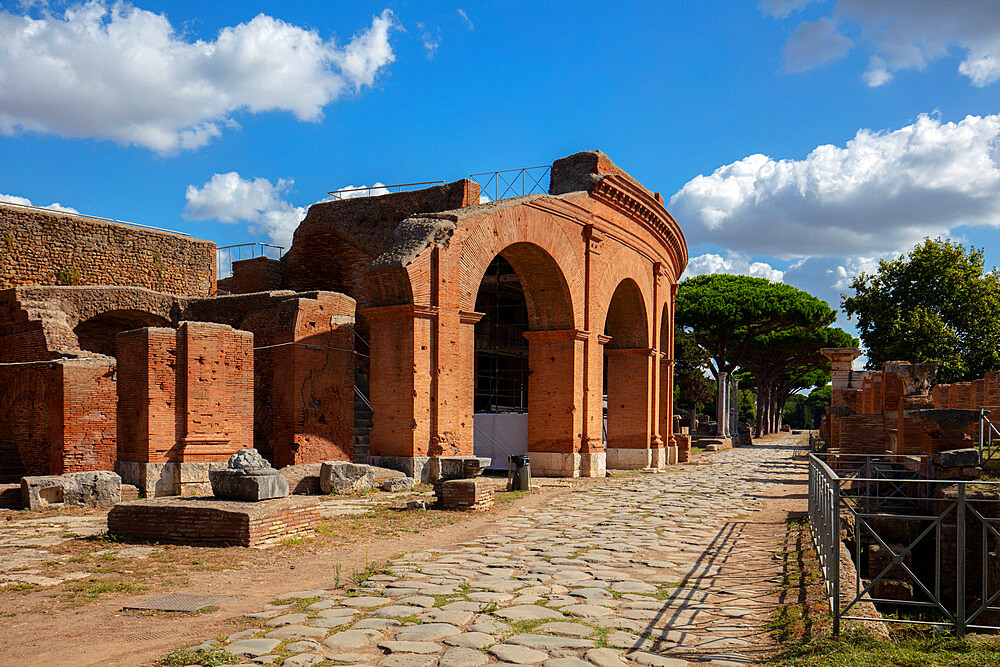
{"points": [[24, 201], [231, 198], [117, 72], [732, 263], [907, 35], [780, 9], [881, 192]]}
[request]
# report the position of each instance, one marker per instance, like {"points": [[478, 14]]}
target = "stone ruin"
{"points": [[120, 351]]}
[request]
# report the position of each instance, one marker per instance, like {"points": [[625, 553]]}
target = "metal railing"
{"points": [[495, 185], [989, 433], [92, 217], [227, 254], [375, 190], [930, 554]]}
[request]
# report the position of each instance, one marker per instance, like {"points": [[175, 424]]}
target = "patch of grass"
{"points": [[212, 658], [292, 541], [519, 627], [92, 590], [507, 497], [857, 648], [324, 529], [105, 537], [20, 586]]}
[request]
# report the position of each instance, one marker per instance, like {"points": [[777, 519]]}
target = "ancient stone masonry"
{"points": [[116, 356], [303, 414], [895, 410], [42, 247], [597, 259]]}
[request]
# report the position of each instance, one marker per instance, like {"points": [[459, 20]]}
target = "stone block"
{"points": [[398, 484], [957, 458], [249, 485], [303, 479], [98, 488], [458, 467], [344, 477]]}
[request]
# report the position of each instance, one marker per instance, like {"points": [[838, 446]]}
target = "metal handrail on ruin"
{"points": [[950, 585], [513, 182], [338, 195], [92, 217], [989, 434], [224, 260]]}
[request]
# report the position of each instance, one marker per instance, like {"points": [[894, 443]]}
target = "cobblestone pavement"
{"points": [[656, 570]]}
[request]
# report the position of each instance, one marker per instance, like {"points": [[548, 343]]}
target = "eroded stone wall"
{"points": [[49, 248]]}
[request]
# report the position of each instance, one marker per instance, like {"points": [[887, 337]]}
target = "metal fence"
{"points": [[926, 550], [227, 254], [495, 185]]}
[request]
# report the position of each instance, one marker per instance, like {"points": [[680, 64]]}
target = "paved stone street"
{"points": [[654, 570]]}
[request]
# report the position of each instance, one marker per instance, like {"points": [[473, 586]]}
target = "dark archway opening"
{"points": [[98, 333], [501, 365]]}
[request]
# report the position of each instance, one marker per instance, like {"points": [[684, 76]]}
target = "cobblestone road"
{"points": [[656, 570]]}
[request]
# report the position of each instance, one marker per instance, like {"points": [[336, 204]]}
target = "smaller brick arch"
{"points": [[627, 323], [550, 305], [98, 333]]}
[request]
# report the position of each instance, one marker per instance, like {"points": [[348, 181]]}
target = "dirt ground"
{"points": [[52, 626]]}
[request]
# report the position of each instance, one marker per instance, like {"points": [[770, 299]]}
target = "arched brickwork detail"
{"points": [[546, 258], [98, 333], [25, 440], [617, 265], [626, 321]]}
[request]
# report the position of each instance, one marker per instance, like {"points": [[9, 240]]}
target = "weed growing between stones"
{"points": [[212, 658]]}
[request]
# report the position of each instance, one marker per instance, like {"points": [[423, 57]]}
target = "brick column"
{"points": [[593, 457], [555, 401], [666, 412], [629, 401], [402, 394]]}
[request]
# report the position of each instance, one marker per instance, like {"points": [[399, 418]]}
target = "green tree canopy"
{"points": [[727, 313], [935, 304]]}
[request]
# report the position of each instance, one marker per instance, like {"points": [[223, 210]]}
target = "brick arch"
{"points": [[547, 261], [98, 333], [619, 264], [25, 442], [627, 322]]}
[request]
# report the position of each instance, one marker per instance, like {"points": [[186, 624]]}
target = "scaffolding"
{"points": [[501, 372]]}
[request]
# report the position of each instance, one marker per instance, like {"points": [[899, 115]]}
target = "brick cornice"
{"points": [[638, 204], [629, 352], [469, 316]]}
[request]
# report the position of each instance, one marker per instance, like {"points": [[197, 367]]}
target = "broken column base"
{"points": [[636, 458], [168, 479], [216, 523], [464, 494]]}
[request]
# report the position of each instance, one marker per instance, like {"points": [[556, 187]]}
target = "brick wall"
{"points": [[303, 392], [57, 418], [184, 395], [49, 248]]}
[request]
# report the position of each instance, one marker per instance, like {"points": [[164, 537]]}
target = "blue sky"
{"points": [[226, 120]]}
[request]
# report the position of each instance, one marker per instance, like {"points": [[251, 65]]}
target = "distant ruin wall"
{"points": [[48, 248]]}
